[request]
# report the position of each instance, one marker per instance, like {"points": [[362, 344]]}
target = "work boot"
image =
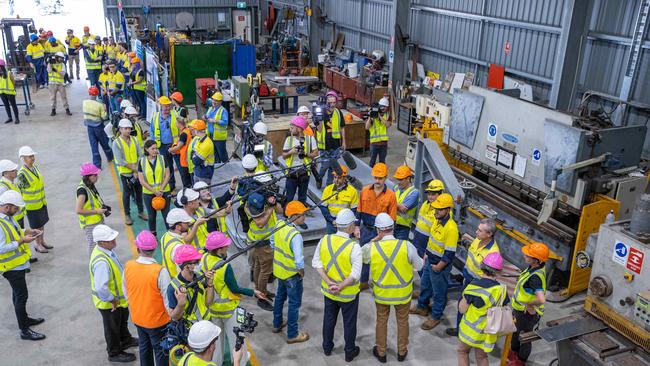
{"points": [[53, 113], [418, 311], [128, 220], [351, 356], [302, 337], [30, 335], [17, 121], [67, 111], [143, 216], [122, 357], [430, 324], [279, 329], [9, 121], [401, 358], [415, 294], [452, 332], [379, 358], [77, 77]]}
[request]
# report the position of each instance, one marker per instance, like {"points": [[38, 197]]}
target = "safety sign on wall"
{"points": [[621, 252], [536, 157], [635, 261], [492, 133]]}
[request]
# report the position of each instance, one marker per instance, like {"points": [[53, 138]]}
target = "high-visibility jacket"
{"points": [[220, 132], [168, 242], [138, 132], [91, 59], [475, 256], [73, 42], [18, 256], [522, 297], [54, 76], [141, 83], [307, 147], [114, 280], [191, 359], [391, 272], [284, 265], [99, 48], [156, 127], [204, 148], [221, 220], [93, 202], [11, 186], [348, 197], [425, 218], [111, 52], [191, 147], [405, 218], [103, 81], [333, 126], [256, 233], [378, 130], [94, 112], [335, 253], [225, 301], [202, 232], [85, 38], [33, 189], [183, 150], [200, 310], [443, 238], [115, 81], [7, 86], [54, 49], [131, 151], [472, 325], [146, 304], [154, 178], [35, 51]]}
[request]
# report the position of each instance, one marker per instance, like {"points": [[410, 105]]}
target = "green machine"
{"points": [[200, 61]]}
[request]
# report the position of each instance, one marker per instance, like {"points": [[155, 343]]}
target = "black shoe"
{"points": [[252, 278], [401, 358], [355, 353], [9, 120], [34, 321], [122, 357], [17, 122], [379, 358], [327, 353], [53, 113], [304, 226], [77, 77], [33, 260], [67, 111], [270, 295], [264, 305], [30, 335], [452, 332], [131, 343]]}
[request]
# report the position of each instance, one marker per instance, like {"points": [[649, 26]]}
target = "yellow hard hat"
{"points": [[402, 172], [445, 200], [435, 185], [164, 100], [217, 96]]}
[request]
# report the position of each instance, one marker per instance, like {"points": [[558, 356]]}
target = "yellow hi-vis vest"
{"points": [[256, 233], [425, 219], [21, 210], [200, 311], [53, 76], [307, 146], [346, 198], [202, 232], [93, 202], [470, 330], [475, 256], [190, 149], [335, 254], [168, 242], [220, 132], [140, 84], [34, 191], [260, 162], [131, 151], [154, 178], [7, 86], [284, 265], [378, 131], [443, 237], [225, 301], [90, 63], [333, 126], [172, 125], [204, 148], [522, 297], [114, 280], [191, 359], [405, 219], [18, 256], [391, 272]]}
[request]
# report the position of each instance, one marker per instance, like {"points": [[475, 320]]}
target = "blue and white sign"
{"points": [[492, 133], [621, 252], [391, 56], [537, 157], [510, 138]]}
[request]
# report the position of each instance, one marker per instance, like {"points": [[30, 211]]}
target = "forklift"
{"points": [[15, 36]]}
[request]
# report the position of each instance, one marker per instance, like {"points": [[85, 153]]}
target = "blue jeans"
{"points": [[114, 101], [326, 156], [149, 344], [97, 136], [93, 77], [40, 72], [290, 288], [434, 285], [367, 234], [378, 151], [401, 232], [301, 184], [141, 101], [220, 152], [420, 242]]}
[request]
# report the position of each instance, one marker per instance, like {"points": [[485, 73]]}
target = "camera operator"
{"points": [[265, 161], [90, 207], [188, 200], [217, 222], [202, 340], [298, 151], [190, 303], [377, 124], [330, 135], [55, 75]]}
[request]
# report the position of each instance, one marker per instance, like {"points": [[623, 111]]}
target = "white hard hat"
{"points": [[249, 161], [125, 123], [202, 333], [260, 127], [345, 217], [12, 197], [130, 110], [103, 233], [384, 102], [59, 54], [26, 151], [125, 103], [189, 194], [384, 221], [263, 178], [303, 109], [176, 215], [91, 41], [7, 166], [199, 185]]}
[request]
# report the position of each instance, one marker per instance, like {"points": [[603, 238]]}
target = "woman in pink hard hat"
{"points": [[226, 290], [90, 207], [298, 152], [179, 292]]}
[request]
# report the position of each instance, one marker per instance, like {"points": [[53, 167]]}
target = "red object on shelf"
{"points": [[495, 76], [203, 84]]}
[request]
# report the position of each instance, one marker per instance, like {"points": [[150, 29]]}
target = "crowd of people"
{"points": [[378, 239]]}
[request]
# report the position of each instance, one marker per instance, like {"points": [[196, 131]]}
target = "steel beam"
{"points": [[400, 15]]}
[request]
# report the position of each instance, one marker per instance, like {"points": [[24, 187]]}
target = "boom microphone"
{"points": [[355, 183], [336, 167], [349, 160]]}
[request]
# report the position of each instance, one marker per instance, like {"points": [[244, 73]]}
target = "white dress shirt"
{"points": [[102, 273], [355, 256]]}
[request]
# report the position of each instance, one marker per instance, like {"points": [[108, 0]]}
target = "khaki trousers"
{"points": [[463, 355], [58, 89], [381, 329], [262, 267], [73, 59]]}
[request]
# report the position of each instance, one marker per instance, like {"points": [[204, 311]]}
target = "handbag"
{"points": [[499, 318]]}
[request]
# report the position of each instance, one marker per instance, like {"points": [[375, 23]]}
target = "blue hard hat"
{"points": [[33, 37], [51, 39], [256, 201]]}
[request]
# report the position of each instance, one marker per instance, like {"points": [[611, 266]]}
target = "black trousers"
{"points": [[525, 323], [116, 329], [153, 213], [330, 316], [18, 295], [131, 188], [9, 102]]}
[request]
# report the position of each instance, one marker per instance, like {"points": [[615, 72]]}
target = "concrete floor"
{"points": [[59, 282]]}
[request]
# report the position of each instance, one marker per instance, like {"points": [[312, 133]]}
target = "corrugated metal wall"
{"points": [[366, 24]]}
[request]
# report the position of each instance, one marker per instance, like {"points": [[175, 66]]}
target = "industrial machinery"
{"points": [[16, 38]]}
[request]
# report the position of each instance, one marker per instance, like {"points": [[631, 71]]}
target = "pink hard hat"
{"points": [[186, 253], [494, 260], [89, 169], [146, 241], [2, 62], [299, 122], [333, 94], [216, 240]]}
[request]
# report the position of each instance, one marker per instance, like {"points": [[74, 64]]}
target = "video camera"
{"points": [[252, 144], [319, 111], [246, 325], [373, 111]]}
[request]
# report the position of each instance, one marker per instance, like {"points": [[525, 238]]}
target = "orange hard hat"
{"points": [[380, 170], [86, 29], [198, 124], [344, 171], [135, 60], [294, 208], [348, 118], [131, 54], [177, 96], [403, 172], [538, 251], [158, 203]]}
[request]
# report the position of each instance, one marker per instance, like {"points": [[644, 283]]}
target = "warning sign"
{"points": [[621, 252], [491, 153], [635, 261]]}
